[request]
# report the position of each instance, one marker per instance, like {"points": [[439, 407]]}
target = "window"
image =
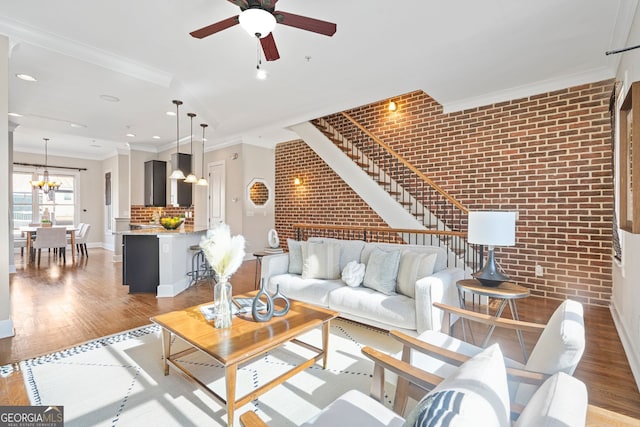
{"points": [[29, 205]]}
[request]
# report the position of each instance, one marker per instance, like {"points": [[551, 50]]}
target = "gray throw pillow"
{"points": [[382, 271], [295, 256]]}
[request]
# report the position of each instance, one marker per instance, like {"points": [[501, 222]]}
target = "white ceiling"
{"points": [[463, 53]]}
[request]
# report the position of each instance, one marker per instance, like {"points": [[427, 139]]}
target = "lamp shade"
{"points": [[492, 228], [257, 22]]}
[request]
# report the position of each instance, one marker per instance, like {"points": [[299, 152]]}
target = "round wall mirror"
{"points": [[259, 193]]}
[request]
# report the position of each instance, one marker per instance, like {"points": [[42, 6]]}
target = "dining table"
{"points": [[30, 232]]}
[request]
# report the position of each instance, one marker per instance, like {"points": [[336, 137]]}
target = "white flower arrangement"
{"points": [[224, 253]]}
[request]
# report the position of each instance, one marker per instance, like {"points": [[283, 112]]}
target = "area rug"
{"points": [[118, 380]]}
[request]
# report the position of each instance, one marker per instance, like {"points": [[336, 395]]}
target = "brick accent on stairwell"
{"points": [[547, 156]]}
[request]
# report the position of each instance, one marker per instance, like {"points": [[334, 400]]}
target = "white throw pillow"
{"points": [[320, 261], [475, 394], [353, 274], [413, 266], [295, 256], [382, 271]]}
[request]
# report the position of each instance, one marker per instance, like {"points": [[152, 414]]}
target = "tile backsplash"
{"points": [[144, 215]]}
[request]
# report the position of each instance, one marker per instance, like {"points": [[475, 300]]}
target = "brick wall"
{"points": [[547, 156]]}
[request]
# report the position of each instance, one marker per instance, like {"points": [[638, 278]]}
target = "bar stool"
{"points": [[200, 269]]}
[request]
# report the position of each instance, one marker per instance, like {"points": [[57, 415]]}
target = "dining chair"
{"points": [[81, 238], [50, 237], [19, 242]]}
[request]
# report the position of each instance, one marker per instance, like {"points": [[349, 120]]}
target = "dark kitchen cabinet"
{"points": [[155, 183], [140, 263], [180, 190]]}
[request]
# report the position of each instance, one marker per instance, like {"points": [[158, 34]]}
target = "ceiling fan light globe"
{"points": [[257, 22]]}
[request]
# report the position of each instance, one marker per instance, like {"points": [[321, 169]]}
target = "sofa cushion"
{"points": [[561, 401], [475, 394], [320, 260], [397, 311], [350, 250], [313, 291], [413, 266], [295, 256], [353, 273], [441, 253]]}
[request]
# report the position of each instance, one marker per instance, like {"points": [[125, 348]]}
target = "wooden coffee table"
{"points": [[243, 341]]}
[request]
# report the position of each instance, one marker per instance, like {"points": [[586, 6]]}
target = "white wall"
{"points": [[625, 303], [257, 221]]}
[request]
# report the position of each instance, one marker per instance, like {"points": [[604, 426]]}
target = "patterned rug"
{"points": [[118, 380]]}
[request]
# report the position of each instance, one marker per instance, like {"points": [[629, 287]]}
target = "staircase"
{"points": [[401, 194]]}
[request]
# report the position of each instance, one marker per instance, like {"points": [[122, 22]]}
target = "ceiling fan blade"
{"points": [[268, 4], [269, 48], [305, 23], [242, 4], [214, 28]]}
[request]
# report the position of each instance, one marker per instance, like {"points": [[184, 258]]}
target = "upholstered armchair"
{"points": [[476, 393], [559, 349]]}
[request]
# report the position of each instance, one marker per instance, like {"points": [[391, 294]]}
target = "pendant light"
{"points": [[191, 178], [202, 181], [177, 173], [47, 186]]}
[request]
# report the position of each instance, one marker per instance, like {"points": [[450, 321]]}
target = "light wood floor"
{"points": [[56, 306]]}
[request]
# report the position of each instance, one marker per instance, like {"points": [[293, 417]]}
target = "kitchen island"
{"points": [[158, 260]]}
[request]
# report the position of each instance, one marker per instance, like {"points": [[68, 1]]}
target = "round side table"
{"points": [[508, 292]]}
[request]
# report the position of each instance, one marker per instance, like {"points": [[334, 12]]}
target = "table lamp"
{"points": [[492, 229]]}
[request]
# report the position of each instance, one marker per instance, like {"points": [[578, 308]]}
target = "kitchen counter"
{"points": [[158, 260], [158, 229]]}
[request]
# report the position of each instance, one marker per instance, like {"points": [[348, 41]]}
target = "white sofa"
{"points": [[408, 307]]}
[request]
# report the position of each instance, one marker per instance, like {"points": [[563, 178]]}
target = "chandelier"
{"points": [[47, 186]]}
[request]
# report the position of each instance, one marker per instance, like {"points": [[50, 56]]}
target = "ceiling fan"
{"points": [[259, 18]]}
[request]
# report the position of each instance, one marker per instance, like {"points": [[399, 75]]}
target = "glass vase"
{"points": [[222, 303]]}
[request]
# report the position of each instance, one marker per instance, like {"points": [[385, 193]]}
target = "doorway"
{"points": [[216, 173]]}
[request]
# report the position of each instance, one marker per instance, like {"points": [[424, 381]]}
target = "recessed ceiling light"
{"points": [[131, 135], [15, 115], [26, 77], [110, 98], [77, 125], [170, 113], [155, 137]]}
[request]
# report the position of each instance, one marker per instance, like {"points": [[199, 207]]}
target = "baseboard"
{"points": [[6, 328], [632, 357]]}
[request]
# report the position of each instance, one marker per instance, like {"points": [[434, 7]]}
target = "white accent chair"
{"points": [[51, 237], [475, 394], [558, 349]]}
